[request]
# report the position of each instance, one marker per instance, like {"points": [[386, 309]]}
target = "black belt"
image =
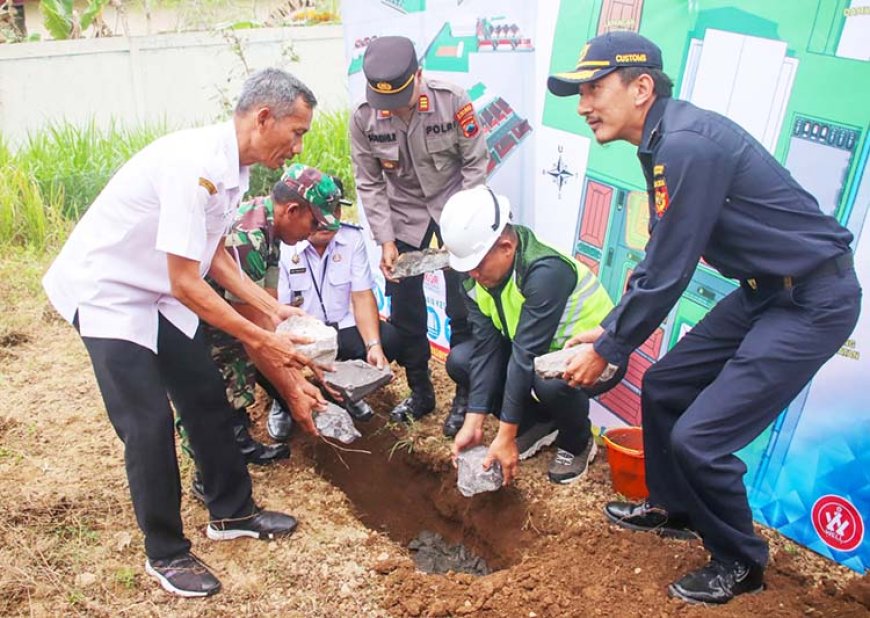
{"points": [[831, 266]]}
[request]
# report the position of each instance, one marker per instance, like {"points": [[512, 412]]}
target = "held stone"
{"points": [[324, 346], [472, 478], [418, 262], [355, 379]]}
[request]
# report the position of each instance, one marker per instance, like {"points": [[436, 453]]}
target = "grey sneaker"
{"points": [[535, 438], [185, 576], [567, 468]]}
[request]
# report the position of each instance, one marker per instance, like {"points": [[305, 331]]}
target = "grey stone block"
{"points": [[472, 478], [418, 262], [553, 365], [355, 379], [324, 346], [336, 423]]}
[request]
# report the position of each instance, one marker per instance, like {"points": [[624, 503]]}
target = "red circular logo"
{"points": [[838, 523]]}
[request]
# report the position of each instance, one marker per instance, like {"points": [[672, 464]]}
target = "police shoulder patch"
{"points": [[467, 120], [208, 185], [660, 190]]}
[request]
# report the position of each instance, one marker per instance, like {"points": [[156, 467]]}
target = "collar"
{"points": [[235, 174], [652, 126], [425, 104]]}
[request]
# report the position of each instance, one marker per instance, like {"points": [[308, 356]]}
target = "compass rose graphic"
{"points": [[559, 173]]}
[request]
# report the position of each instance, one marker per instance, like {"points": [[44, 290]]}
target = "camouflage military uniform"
{"points": [[256, 248]]}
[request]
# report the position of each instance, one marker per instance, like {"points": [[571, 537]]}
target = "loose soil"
{"points": [[69, 543]]}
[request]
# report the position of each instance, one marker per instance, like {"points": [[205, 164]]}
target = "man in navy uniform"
{"points": [[714, 192]]}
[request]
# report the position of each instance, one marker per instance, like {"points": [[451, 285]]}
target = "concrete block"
{"points": [[553, 365], [355, 379]]}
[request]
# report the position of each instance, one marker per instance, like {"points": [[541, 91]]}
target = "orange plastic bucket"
{"points": [[625, 456]]}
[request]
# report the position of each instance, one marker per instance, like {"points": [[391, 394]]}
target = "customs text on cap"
{"points": [[603, 55], [390, 65]]}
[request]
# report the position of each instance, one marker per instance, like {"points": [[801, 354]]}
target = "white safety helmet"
{"points": [[471, 222]]}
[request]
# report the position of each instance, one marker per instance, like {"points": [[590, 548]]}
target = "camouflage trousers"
{"points": [[237, 371]]}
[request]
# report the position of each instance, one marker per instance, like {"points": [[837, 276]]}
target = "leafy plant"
{"points": [[63, 21]]}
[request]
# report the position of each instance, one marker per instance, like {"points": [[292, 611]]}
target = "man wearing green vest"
{"points": [[524, 299]]}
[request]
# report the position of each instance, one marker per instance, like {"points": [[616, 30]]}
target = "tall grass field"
{"points": [[48, 182]]}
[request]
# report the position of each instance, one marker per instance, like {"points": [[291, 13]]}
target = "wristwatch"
{"points": [[372, 343], [608, 372]]}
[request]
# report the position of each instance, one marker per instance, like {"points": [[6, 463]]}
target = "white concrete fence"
{"points": [[181, 79]]}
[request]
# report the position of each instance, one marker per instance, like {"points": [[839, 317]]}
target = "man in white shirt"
{"points": [[130, 279], [329, 277]]}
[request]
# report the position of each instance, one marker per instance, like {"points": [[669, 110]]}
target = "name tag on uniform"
{"points": [[296, 271]]}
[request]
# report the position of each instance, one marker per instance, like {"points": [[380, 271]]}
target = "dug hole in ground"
{"points": [[70, 546]]}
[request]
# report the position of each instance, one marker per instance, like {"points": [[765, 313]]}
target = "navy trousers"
{"points": [[722, 385]]}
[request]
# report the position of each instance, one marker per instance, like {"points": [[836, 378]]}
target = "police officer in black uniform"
{"points": [[716, 193]]}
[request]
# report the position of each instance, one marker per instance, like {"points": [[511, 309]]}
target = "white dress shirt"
{"points": [[343, 268], [176, 196]]}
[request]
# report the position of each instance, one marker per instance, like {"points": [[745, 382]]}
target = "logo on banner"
{"points": [[433, 323], [838, 523]]}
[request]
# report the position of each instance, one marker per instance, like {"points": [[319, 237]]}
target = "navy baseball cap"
{"points": [[603, 55], [390, 64]]}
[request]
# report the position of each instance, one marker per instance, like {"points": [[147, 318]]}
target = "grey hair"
{"points": [[276, 89]]}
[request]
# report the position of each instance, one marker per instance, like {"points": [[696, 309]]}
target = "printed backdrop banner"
{"points": [[795, 75]]}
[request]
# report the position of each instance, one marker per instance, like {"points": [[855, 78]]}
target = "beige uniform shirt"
{"points": [[405, 173]]}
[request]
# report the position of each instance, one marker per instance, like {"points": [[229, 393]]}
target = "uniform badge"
{"points": [[387, 164], [208, 185], [336, 257], [423, 103], [295, 258], [660, 190], [384, 113], [467, 120]]}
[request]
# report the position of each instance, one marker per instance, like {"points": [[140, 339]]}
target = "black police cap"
{"points": [[390, 64]]}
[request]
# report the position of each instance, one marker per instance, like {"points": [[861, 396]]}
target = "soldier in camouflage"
{"points": [[260, 226]]}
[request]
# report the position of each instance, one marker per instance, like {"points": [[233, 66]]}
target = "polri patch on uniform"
{"points": [[423, 103], [467, 120], [388, 164], [208, 185], [660, 190]]}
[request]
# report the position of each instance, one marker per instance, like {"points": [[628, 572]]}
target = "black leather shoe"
{"points": [[197, 489], [413, 408], [263, 525], [422, 399], [644, 517], [279, 422], [256, 453], [359, 410], [718, 582], [456, 417]]}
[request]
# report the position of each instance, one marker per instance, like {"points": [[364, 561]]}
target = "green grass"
{"points": [[49, 182]]}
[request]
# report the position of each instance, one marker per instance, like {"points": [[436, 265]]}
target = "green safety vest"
{"points": [[586, 307]]}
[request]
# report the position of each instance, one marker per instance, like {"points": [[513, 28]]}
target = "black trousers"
{"points": [[136, 385], [408, 310], [351, 346], [554, 399], [724, 382]]}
